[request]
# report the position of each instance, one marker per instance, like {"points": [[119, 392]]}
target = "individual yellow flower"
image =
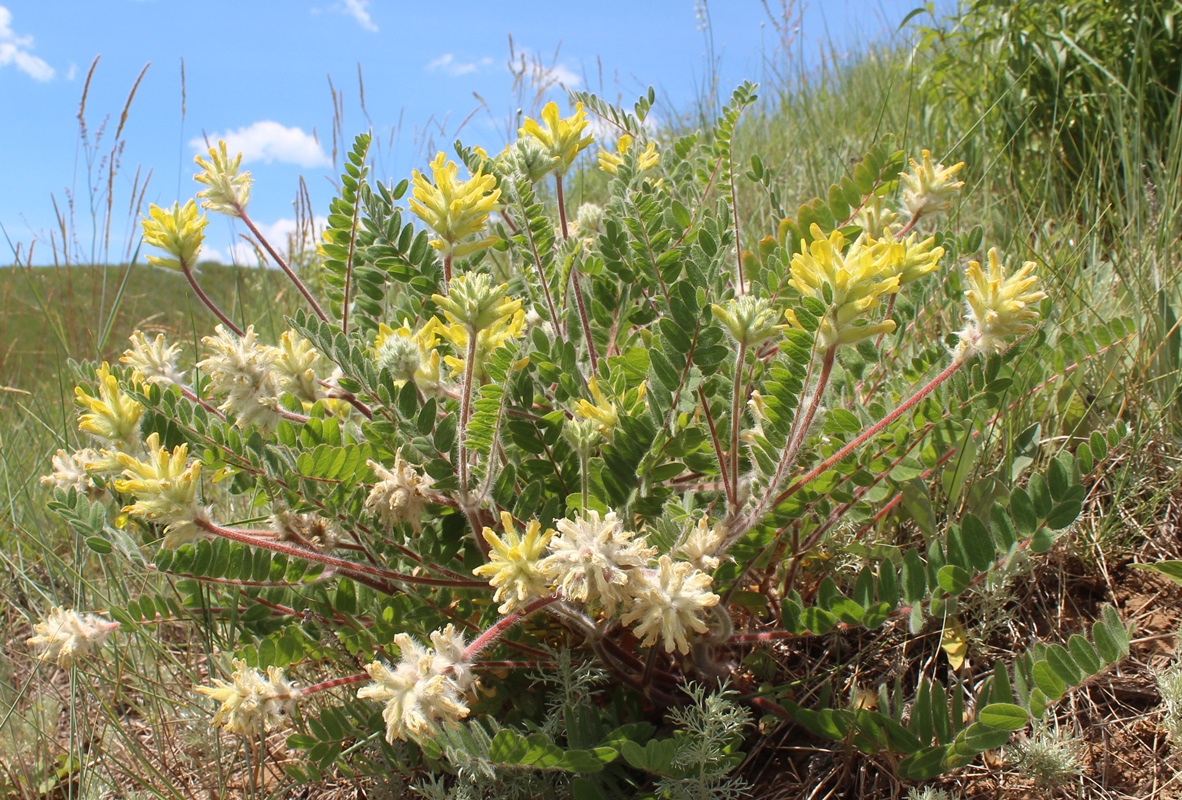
{"points": [[229, 189], [602, 411], [748, 319], [454, 209], [849, 283], [165, 489], [65, 634], [919, 258], [512, 567], [610, 162], [250, 702], [667, 604], [562, 138], [997, 307], [178, 231], [929, 188], [112, 416]]}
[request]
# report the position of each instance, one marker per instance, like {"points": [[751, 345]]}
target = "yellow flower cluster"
{"points": [[998, 306], [112, 416], [929, 188], [562, 139], [454, 209], [512, 566], [610, 162], [229, 188], [165, 489], [849, 282], [252, 703], [178, 231]]}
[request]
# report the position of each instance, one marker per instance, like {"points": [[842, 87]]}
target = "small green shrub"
{"points": [[614, 451]]}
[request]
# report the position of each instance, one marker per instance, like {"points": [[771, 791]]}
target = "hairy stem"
{"points": [[503, 624], [210, 304]]}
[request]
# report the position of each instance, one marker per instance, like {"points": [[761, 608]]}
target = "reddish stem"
{"points": [[287, 270], [503, 624], [210, 304]]}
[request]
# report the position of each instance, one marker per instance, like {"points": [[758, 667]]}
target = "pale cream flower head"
{"points": [[701, 543], [425, 690], [65, 634], [512, 567], [228, 189], [593, 561], [154, 361], [668, 603], [252, 703], [69, 471], [400, 493], [929, 188], [244, 372]]}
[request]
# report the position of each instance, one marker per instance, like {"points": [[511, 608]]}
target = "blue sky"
{"points": [[258, 72]]}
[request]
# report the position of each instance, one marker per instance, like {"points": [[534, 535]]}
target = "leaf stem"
{"points": [[503, 624]]}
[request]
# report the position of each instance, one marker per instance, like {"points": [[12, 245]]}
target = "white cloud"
{"points": [[14, 50], [282, 236], [268, 141], [358, 10], [448, 64]]}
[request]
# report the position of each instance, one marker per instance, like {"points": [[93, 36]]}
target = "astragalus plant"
{"points": [[610, 450]]}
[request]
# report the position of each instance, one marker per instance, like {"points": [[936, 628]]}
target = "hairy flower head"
{"points": [[293, 360], [562, 138], [112, 417], [997, 306], [668, 602], [65, 634], [252, 703], [178, 231], [512, 567], [154, 361], [228, 189], [243, 371], [849, 282], [611, 162], [409, 354], [701, 543], [593, 560], [929, 188], [165, 489], [476, 303], [748, 319], [603, 411], [454, 209], [400, 493], [69, 471], [875, 215], [425, 689]]}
